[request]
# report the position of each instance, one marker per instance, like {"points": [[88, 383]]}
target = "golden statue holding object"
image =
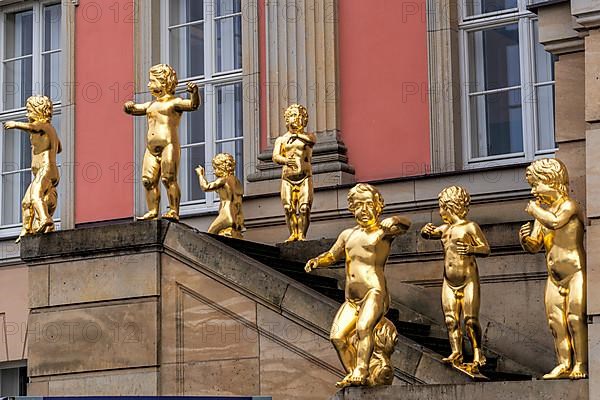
{"points": [[41, 197], [230, 221], [294, 152], [363, 338], [163, 152], [559, 228], [463, 240]]}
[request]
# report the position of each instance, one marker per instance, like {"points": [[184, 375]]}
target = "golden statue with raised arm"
{"points": [[41, 197], [363, 338], [559, 228], [463, 240], [294, 152], [230, 221], [163, 152]]}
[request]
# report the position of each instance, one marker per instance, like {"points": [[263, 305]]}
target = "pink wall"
{"points": [[13, 313], [104, 72], [383, 74]]}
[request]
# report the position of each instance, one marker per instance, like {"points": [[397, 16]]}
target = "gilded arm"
{"points": [[329, 257], [136, 109], [531, 239], [25, 126], [552, 220], [193, 102], [208, 186], [432, 232], [394, 226]]}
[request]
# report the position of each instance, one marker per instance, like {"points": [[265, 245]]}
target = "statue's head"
{"points": [[296, 117], [223, 164], [548, 178], [39, 108], [453, 200], [366, 203], [163, 80]]}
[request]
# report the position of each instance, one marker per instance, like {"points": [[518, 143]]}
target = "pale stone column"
{"points": [[587, 14], [302, 67], [444, 85]]}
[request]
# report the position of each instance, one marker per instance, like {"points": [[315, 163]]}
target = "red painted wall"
{"points": [[383, 74], [104, 72]]}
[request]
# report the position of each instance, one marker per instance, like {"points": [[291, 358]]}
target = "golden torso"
{"points": [[458, 269], [565, 254], [163, 125], [301, 153], [366, 255], [230, 196], [44, 148]]}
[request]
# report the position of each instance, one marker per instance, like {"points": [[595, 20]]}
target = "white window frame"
{"points": [[525, 20], [207, 84], [13, 230]]}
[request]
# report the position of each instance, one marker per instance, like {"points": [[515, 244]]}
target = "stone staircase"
{"points": [[419, 332]]}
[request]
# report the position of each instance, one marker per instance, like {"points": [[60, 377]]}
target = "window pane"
{"points": [[16, 151], [494, 58], [192, 127], [182, 11], [545, 117], [13, 190], [544, 61], [191, 158], [187, 50], [236, 149], [19, 34], [18, 83], [226, 7], [476, 7], [229, 43], [496, 123], [52, 86], [52, 27], [229, 111]]}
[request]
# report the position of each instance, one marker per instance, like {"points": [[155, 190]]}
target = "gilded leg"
{"points": [[371, 312], [344, 324], [150, 175], [451, 306], [471, 302], [28, 215], [38, 189], [169, 171], [577, 325], [305, 199], [557, 319], [289, 199]]}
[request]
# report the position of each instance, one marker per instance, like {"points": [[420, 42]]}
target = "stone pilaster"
{"points": [[302, 67]]}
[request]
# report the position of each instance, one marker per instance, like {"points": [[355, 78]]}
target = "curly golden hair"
{"points": [[301, 110], [224, 162], [550, 171], [362, 188], [40, 108], [456, 200], [166, 75]]}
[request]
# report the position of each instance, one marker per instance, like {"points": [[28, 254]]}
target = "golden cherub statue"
{"points": [[363, 338], [559, 227], [463, 240], [230, 221], [163, 151], [294, 152], [41, 197]]}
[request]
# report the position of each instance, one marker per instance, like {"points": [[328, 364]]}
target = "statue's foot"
{"points": [[44, 225], [455, 358], [559, 372], [23, 233], [579, 372], [292, 238], [148, 216], [171, 216], [50, 228], [358, 377], [478, 358]]}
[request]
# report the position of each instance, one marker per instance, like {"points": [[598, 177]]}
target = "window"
{"points": [[30, 64], [13, 379], [202, 40], [508, 84]]}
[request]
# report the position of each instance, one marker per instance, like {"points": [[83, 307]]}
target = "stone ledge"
{"points": [[532, 390], [503, 238]]}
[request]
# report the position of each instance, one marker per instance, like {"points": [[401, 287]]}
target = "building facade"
{"points": [[411, 96]]}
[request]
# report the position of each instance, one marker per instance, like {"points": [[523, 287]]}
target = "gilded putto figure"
{"points": [[363, 338], [41, 197]]}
